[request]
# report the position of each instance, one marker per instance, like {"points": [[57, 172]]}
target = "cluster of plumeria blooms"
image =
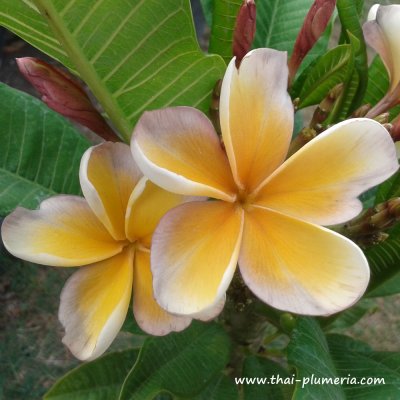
{"points": [[147, 223]]}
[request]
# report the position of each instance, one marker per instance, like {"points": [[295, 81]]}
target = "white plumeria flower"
{"points": [[267, 211]]}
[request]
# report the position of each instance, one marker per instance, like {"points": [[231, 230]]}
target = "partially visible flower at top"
{"points": [[63, 94], [109, 233], [268, 210], [382, 33]]}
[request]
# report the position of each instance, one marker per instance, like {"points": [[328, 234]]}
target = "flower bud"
{"points": [[245, 30], [65, 95], [314, 26]]}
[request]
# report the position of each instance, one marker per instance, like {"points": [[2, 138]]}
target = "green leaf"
{"points": [[220, 388], [348, 14], [180, 363], [40, 152], [96, 380], [328, 71], [356, 360], [308, 352], [263, 368], [388, 189], [351, 84], [368, 198], [378, 81], [279, 22], [349, 317], [384, 259], [24, 19], [223, 25], [388, 288], [143, 55]]}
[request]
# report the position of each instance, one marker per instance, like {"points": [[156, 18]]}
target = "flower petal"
{"points": [[299, 267], [178, 149], [372, 12], [108, 175], [148, 314], [94, 303], [256, 115], [194, 254], [388, 19], [63, 232], [320, 183], [375, 38], [147, 204], [211, 312]]}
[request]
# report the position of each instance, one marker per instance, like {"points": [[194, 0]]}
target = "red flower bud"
{"points": [[245, 30], [65, 95], [313, 27]]}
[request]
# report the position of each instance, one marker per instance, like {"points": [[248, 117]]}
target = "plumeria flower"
{"points": [[382, 33], [109, 233], [268, 211]]}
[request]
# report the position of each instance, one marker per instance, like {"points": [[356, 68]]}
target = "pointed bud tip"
{"points": [[245, 30], [313, 27]]}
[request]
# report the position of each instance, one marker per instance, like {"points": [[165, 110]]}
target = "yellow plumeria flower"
{"points": [[268, 210], [109, 232], [382, 33]]}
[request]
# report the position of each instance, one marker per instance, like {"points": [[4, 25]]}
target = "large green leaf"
{"points": [[180, 363], [308, 352], [357, 361], [101, 379], [328, 71], [24, 19], [220, 388], [349, 317], [142, 55], [223, 25], [345, 362], [279, 22], [388, 288], [259, 371], [40, 152]]}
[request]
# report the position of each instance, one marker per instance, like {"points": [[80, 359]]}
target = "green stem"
{"points": [[84, 67]]}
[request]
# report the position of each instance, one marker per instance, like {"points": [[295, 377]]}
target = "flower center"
{"points": [[138, 244], [242, 199]]}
